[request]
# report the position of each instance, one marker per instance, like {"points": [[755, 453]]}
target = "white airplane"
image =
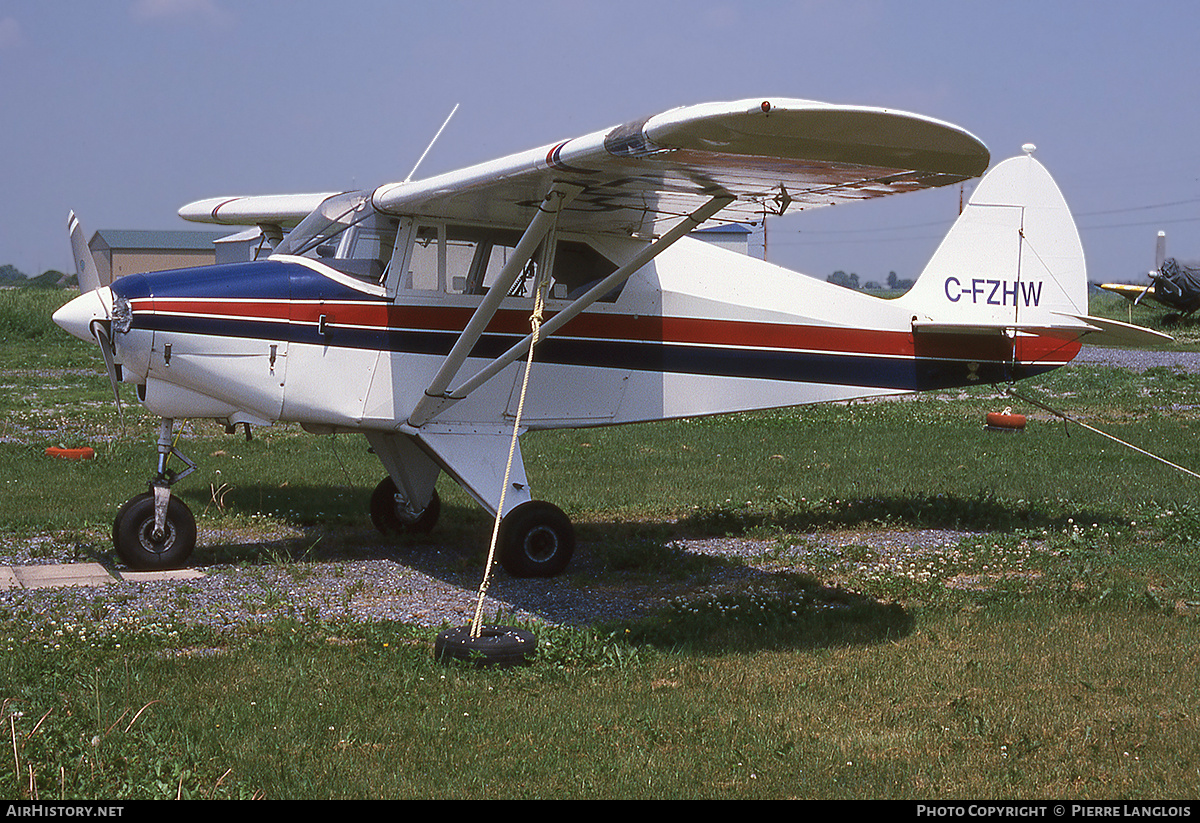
{"points": [[404, 312]]}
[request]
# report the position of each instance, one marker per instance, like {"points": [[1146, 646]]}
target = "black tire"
{"points": [[386, 515], [134, 540], [495, 646], [536, 540]]}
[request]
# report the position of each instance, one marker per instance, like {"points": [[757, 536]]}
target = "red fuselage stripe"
{"points": [[649, 329]]}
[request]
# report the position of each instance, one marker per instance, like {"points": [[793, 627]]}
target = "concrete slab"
{"points": [[70, 574], [81, 574]]}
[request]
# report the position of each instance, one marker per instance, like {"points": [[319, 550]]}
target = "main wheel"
{"points": [[390, 518], [136, 542], [536, 540]]}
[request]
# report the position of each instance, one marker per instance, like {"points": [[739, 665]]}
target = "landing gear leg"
{"points": [[406, 501], [156, 530]]}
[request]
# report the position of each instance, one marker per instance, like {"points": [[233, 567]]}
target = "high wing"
{"points": [[281, 210], [771, 157]]}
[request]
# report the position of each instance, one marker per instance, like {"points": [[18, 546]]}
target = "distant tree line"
{"points": [[850, 281], [12, 276]]}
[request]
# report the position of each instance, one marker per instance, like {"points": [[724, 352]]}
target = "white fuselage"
{"points": [[702, 330]]}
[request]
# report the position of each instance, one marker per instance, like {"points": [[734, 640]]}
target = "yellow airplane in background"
{"points": [[1173, 284]]}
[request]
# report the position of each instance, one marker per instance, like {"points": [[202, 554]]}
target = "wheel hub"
{"points": [[156, 540], [541, 543]]}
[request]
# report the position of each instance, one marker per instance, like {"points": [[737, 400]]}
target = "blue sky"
{"points": [[124, 110]]}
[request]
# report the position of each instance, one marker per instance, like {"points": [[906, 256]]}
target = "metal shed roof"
{"points": [[156, 240]]}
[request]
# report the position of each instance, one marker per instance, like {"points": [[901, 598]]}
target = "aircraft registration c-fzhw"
{"points": [[404, 312]]}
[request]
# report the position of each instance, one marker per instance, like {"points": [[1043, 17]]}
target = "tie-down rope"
{"points": [[1069, 419], [535, 322], [1063, 416]]}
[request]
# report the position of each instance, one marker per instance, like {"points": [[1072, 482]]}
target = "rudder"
{"points": [[1012, 259]]}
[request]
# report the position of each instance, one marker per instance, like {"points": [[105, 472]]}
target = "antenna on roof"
{"points": [[431, 142]]}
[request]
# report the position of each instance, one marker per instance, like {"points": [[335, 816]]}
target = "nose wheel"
{"points": [[145, 544], [157, 530]]}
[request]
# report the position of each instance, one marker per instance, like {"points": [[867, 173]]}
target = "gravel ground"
{"points": [[435, 585], [1139, 361], [429, 585]]}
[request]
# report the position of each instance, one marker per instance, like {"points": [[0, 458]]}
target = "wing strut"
{"points": [[431, 405], [543, 222]]}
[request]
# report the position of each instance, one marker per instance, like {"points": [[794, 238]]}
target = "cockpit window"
{"points": [[328, 220], [347, 234]]}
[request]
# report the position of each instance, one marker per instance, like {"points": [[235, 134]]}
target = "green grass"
{"points": [[1185, 330], [1014, 701], [1050, 651], [25, 314]]}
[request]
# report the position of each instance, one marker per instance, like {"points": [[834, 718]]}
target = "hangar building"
{"points": [[119, 252]]}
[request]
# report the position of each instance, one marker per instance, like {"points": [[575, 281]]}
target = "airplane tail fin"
{"points": [[1013, 261]]}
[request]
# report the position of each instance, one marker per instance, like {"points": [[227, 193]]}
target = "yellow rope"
{"points": [[1068, 418], [535, 322]]}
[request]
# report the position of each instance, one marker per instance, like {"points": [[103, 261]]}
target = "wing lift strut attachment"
{"points": [[439, 397], [477, 459], [542, 225], [535, 538]]}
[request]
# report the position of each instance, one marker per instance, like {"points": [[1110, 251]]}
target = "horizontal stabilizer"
{"points": [[1128, 290], [1065, 330], [1116, 333], [1085, 327]]}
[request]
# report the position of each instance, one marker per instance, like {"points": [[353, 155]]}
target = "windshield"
{"points": [[328, 220]]}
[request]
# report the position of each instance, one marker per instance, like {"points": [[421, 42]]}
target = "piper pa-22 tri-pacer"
{"points": [[404, 312]]}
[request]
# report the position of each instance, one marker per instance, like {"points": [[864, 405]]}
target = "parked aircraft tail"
{"points": [[1013, 260]]}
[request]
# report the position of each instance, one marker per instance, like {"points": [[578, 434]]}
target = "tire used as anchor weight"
{"points": [[495, 646], [536, 540], [138, 545]]}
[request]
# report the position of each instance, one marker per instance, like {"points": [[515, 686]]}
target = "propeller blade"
{"points": [[85, 263], [1160, 250], [106, 351]]}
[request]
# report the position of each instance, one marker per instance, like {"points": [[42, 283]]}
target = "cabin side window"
{"points": [[461, 260], [577, 268]]}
